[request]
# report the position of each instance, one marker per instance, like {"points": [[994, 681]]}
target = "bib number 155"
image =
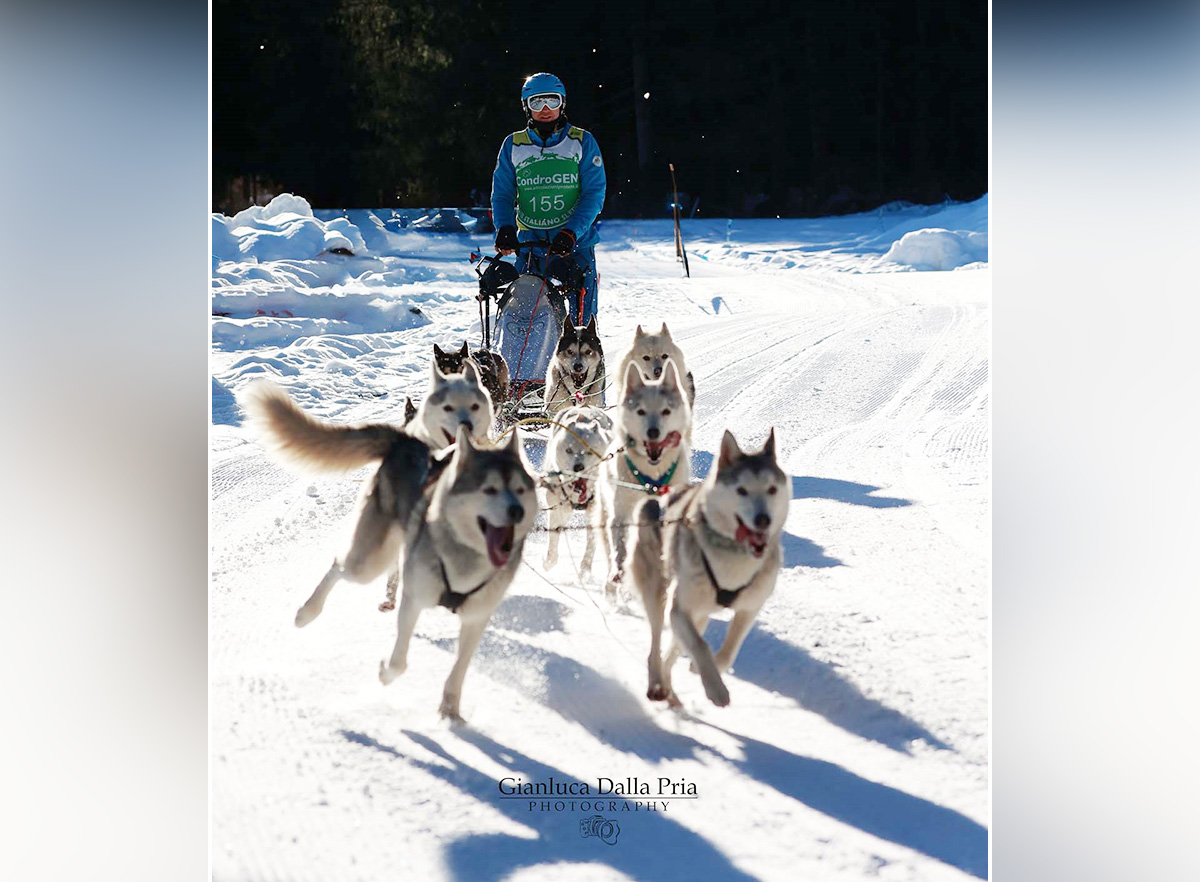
{"points": [[547, 203]]}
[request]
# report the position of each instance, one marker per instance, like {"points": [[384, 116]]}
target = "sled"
{"points": [[530, 310]]}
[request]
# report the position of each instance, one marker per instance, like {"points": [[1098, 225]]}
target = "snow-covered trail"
{"points": [[856, 741]]}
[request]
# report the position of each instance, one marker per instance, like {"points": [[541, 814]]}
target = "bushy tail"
{"points": [[307, 443], [647, 563]]}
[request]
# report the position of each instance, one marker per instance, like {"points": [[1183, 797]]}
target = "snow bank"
{"points": [[953, 237], [937, 249], [284, 228]]}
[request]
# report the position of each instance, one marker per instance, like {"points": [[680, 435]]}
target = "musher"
{"points": [[549, 183]]}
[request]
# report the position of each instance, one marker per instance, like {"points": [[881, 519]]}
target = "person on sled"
{"points": [[549, 183]]}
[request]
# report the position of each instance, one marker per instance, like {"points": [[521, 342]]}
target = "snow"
{"points": [[856, 742]]}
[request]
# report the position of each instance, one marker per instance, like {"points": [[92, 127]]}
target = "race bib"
{"points": [[547, 191]]}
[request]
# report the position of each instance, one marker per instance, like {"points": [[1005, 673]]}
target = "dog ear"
{"points": [[769, 444], [730, 452], [410, 409], [437, 351], [665, 332], [568, 329], [464, 351], [470, 374], [633, 378], [670, 377], [591, 325], [639, 333], [436, 377]]}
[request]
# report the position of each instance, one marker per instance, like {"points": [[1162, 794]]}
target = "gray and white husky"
{"points": [[653, 425], [461, 518], [453, 400], [650, 352], [312, 445], [722, 549], [576, 372], [578, 442], [464, 544]]}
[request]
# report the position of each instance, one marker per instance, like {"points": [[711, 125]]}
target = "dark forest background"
{"points": [[795, 109]]}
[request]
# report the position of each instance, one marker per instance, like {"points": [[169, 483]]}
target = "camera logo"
{"points": [[601, 828]]}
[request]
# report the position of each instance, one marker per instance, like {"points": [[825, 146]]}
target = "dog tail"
{"points": [[307, 443], [647, 564]]}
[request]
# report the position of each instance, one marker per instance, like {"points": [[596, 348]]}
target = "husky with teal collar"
{"points": [[715, 544], [652, 456]]}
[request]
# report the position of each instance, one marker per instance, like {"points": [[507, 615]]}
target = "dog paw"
{"points": [[449, 711], [717, 694], [548, 562], [673, 700], [658, 692], [387, 606], [387, 673], [306, 614]]}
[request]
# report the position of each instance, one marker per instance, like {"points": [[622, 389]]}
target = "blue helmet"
{"points": [[543, 84]]}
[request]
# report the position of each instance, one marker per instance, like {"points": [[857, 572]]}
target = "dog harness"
{"points": [[452, 599], [725, 597], [653, 486]]}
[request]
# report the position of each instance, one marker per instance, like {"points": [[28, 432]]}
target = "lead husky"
{"points": [[652, 428], [722, 549], [576, 372], [465, 516], [650, 352], [453, 400], [465, 539], [578, 441]]}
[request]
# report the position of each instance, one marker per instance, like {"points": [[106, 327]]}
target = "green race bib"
{"points": [[547, 191]]}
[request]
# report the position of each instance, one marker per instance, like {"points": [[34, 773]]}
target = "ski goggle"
{"points": [[537, 102]]}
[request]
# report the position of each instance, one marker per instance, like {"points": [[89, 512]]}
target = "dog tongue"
{"points": [[655, 448], [499, 543], [757, 540], [581, 488]]}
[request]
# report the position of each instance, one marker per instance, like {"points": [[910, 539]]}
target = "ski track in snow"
{"points": [[855, 745]]}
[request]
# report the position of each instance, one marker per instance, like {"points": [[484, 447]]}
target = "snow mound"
{"points": [[283, 229], [938, 249]]}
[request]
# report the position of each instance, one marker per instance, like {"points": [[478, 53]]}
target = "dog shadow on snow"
{"points": [[615, 716], [781, 667]]}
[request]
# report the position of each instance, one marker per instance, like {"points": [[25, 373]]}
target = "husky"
{"points": [[465, 539], [650, 353], [577, 446], [722, 544], [312, 445], [576, 372], [492, 368], [652, 455], [452, 400], [461, 516]]}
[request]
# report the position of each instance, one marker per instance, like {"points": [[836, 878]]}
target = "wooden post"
{"points": [[680, 252]]}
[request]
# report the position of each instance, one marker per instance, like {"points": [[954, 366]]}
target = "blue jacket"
{"points": [[592, 183]]}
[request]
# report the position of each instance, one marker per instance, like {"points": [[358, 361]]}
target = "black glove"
{"points": [[506, 239], [563, 244]]}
